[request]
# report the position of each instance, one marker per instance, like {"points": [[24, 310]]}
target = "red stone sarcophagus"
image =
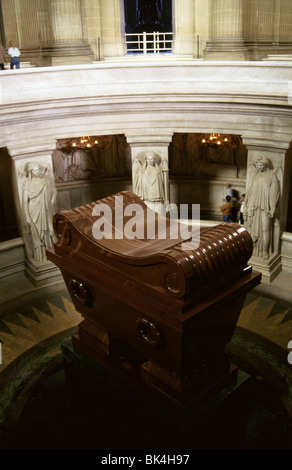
{"points": [[157, 311]]}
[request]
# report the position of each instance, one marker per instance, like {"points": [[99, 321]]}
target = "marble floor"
{"points": [[30, 314], [35, 322]]}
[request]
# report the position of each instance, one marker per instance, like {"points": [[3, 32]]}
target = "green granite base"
{"points": [[129, 417]]}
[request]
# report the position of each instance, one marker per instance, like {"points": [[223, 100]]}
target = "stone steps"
{"points": [[282, 57], [23, 65]]}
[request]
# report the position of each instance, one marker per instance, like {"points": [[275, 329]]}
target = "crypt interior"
{"points": [[204, 86]]}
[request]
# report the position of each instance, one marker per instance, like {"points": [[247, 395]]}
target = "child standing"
{"points": [[226, 210]]}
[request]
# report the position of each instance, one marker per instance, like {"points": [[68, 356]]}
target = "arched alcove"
{"points": [[200, 166], [87, 171], [202, 155]]}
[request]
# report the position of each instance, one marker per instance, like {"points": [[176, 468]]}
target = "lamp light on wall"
{"points": [[85, 142], [215, 140]]}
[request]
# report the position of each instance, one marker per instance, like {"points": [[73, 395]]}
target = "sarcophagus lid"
{"points": [[171, 263]]}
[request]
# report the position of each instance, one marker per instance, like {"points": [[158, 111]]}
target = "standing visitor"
{"points": [[14, 52], [226, 209], [241, 202], [229, 190]]}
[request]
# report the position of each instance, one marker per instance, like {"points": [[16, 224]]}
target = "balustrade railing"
{"points": [[145, 43]]}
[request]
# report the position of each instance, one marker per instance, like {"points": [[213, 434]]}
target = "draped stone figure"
{"points": [[109, 157], [148, 181], [38, 198], [71, 164], [262, 196], [61, 157]]}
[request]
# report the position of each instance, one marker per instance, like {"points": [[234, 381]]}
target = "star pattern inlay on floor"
{"points": [[22, 330]]}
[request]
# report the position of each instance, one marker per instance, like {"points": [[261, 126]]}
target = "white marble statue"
{"points": [[261, 200], [148, 180], [38, 198]]}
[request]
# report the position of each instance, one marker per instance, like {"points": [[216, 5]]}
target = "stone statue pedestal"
{"points": [[270, 268], [41, 274]]}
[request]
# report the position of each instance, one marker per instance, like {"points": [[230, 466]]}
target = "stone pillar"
{"points": [[261, 22], [227, 32], [36, 32], [279, 162], [10, 20], [284, 28], [184, 28], [140, 146], [34, 189], [91, 24], [44, 26], [111, 20], [68, 47]]}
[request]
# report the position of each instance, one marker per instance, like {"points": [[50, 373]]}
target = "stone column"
{"points": [[111, 20], [283, 28], [68, 47], [285, 19], [261, 27], [44, 26], [279, 165], [184, 28], [91, 23], [10, 20], [227, 31]]}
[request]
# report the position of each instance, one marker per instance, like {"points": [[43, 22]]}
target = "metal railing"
{"points": [[145, 43]]}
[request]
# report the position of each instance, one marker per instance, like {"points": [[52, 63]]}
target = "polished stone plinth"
{"points": [[129, 413]]}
